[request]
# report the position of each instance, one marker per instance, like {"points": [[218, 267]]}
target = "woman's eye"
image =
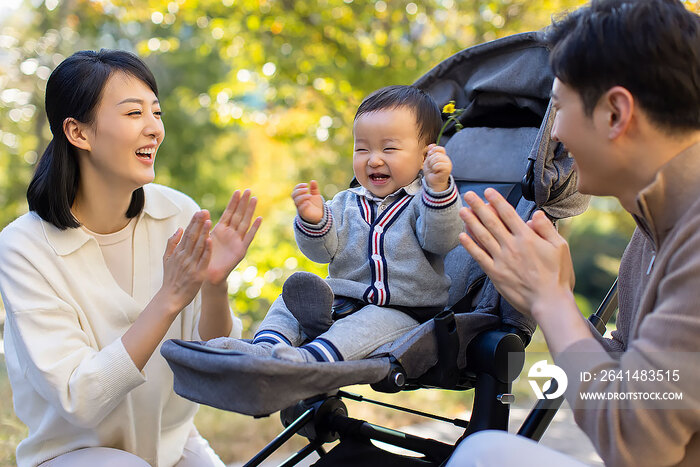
{"points": [[158, 113], [134, 112]]}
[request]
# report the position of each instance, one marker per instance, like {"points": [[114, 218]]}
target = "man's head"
{"points": [[627, 90], [392, 130], [649, 47]]}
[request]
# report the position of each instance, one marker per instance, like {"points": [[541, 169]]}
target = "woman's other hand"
{"points": [[232, 236]]}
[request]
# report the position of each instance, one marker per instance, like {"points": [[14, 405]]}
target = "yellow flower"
{"points": [[449, 108]]}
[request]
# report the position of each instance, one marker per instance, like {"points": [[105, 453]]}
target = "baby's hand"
{"points": [[308, 201], [437, 168]]}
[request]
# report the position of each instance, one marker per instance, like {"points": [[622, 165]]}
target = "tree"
{"points": [[257, 94]]}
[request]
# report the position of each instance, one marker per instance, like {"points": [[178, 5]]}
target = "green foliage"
{"points": [[255, 94], [597, 239]]}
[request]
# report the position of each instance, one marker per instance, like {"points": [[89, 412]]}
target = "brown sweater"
{"points": [[658, 328]]}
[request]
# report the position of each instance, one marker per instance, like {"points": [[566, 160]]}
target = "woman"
{"points": [[103, 268]]}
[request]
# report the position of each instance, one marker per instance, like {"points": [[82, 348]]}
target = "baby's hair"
{"points": [[423, 107]]}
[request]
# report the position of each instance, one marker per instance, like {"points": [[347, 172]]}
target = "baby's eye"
{"points": [[391, 149], [360, 150]]}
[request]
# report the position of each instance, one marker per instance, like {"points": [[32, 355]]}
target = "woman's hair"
{"points": [[74, 90]]}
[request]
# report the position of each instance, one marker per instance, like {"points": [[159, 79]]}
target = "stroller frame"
{"points": [[324, 420]]}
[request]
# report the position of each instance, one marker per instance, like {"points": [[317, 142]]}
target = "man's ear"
{"points": [[619, 106], [75, 132]]}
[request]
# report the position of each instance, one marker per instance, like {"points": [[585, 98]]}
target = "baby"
{"points": [[385, 240]]}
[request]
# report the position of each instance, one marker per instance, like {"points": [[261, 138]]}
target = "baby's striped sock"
{"points": [[260, 347], [269, 338], [318, 350]]}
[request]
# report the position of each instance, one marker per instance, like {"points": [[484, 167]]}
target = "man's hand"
{"points": [[437, 168], [308, 201], [528, 263]]}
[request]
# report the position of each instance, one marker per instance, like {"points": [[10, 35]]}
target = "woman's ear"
{"points": [[75, 132]]}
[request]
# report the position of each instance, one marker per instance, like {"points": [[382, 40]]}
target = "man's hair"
{"points": [[649, 47], [423, 107]]}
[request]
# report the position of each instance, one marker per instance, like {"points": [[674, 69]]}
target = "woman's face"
{"points": [[126, 133]]}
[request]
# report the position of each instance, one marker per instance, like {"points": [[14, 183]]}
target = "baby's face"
{"points": [[388, 154]]}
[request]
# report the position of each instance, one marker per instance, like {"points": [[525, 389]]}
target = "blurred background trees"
{"points": [[261, 94]]}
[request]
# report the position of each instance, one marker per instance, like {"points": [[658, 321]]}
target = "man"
{"points": [[627, 97]]}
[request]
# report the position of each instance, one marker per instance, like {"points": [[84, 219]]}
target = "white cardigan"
{"points": [[73, 383]]}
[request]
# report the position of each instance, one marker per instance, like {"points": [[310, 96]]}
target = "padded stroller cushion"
{"points": [[230, 380], [498, 155]]}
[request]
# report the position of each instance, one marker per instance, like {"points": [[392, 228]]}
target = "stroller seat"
{"points": [[504, 87], [230, 380]]}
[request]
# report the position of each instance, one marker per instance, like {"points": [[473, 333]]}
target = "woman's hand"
{"points": [[232, 236], [530, 264], [185, 261], [185, 264], [307, 198]]}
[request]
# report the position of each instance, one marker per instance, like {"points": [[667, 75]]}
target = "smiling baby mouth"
{"points": [[377, 177], [145, 153]]}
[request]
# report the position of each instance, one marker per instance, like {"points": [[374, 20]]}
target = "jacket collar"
{"points": [[674, 190], [410, 189], [64, 242]]}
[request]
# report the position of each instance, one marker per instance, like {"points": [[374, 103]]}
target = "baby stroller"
{"points": [[478, 341]]}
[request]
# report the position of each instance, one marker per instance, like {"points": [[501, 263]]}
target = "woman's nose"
{"points": [[155, 128]]}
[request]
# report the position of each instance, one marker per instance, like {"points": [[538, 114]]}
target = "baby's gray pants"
{"points": [[355, 336]]}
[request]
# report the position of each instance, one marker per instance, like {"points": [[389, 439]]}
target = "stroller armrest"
{"points": [[498, 353]]}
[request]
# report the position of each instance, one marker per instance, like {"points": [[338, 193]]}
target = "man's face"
{"points": [[586, 139]]}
